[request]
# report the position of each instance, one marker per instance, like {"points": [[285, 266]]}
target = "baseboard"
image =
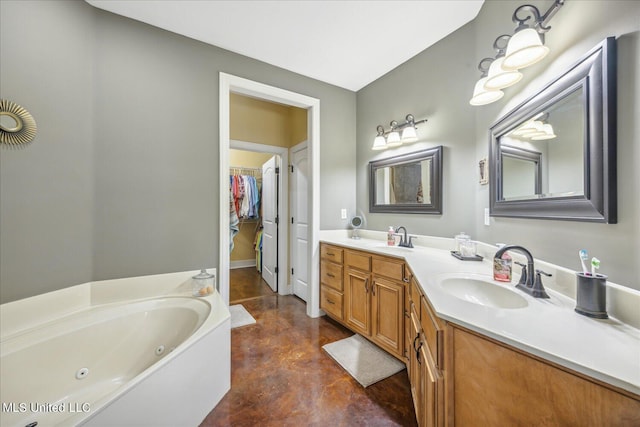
{"points": [[242, 263]]}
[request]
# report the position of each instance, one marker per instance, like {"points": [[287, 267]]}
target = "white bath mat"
{"points": [[240, 316], [365, 362]]}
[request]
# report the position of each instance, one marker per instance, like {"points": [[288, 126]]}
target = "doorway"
{"points": [[232, 84], [266, 161]]}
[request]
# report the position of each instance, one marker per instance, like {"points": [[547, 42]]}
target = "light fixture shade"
{"points": [[546, 133], [482, 96], [525, 48], [393, 139], [409, 135], [533, 128], [499, 78], [379, 143]]}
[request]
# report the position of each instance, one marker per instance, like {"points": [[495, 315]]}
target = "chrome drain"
{"points": [[159, 350]]}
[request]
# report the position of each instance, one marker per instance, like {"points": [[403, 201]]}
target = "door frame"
{"points": [[228, 84], [283, 184], [293, 236]]}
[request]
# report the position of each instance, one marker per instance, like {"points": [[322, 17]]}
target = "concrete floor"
{"points": [[280, 376]]}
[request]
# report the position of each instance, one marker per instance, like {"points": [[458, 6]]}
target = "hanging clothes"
{"points": [[258, 247], [233, 221], [245, 192]]}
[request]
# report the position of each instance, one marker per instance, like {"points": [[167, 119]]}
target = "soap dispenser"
{"points": [[391, 239], [502, 266]]}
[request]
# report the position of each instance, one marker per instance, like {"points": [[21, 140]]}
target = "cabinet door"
{"points": [[357, 301], [387, 314], [414, 364], [432, 391], [408, 338]]}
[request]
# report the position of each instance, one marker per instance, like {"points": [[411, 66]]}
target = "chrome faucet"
{"points": [[526, 284], [403, 240]]}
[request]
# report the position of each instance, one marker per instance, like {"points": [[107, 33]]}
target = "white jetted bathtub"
{"points": [[138, 351]]}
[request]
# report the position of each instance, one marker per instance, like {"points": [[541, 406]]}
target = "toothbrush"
{"points": [[583, 258], [595, 264]]}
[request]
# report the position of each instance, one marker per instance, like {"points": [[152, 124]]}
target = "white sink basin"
{"points": [[397, 248], [481, 290]]}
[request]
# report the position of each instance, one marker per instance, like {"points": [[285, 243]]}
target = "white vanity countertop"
{"points": [[606, 349]]}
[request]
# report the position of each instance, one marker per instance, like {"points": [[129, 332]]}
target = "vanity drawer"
{"points": [[388, 268], [433, 332], [358, 260], [331, 275], [331, 301], [332, 253]]}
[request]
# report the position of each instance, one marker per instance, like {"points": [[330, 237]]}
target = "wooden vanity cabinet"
{"points": [[372, 295], [496, 384], [459, 377]]}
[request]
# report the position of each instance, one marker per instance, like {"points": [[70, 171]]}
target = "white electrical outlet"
{"points": [[487, 217], [343, 213]]}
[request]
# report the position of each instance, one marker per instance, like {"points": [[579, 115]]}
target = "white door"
{"points": [[269, 223], [300, 220]]}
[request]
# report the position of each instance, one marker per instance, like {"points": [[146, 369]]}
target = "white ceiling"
{"points": [[347, 43]]}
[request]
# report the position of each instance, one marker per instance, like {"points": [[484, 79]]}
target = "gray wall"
{"points": [[576, 28], [430, 85], [47, 187], [122, 179], [438, 83]]}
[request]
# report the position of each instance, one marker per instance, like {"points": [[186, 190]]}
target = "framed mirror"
{"points": [[408, 183], [554, 155]]}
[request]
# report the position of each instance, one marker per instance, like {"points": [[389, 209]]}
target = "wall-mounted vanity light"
{"points": [[536, 129], [481, 94], [398, 134], [524, 48]]}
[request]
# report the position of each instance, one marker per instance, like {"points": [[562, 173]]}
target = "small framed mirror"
{"points": [[408, 183], [554, 155]]}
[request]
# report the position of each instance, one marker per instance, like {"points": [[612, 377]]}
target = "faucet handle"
{"points": [[523, 274], [408, 242], [538, 289]]}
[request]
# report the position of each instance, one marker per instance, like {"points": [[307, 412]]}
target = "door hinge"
{"points": [[277, 220], [291, 220], [292, 271], [276, 270], [291, 167], [278, 170]]}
